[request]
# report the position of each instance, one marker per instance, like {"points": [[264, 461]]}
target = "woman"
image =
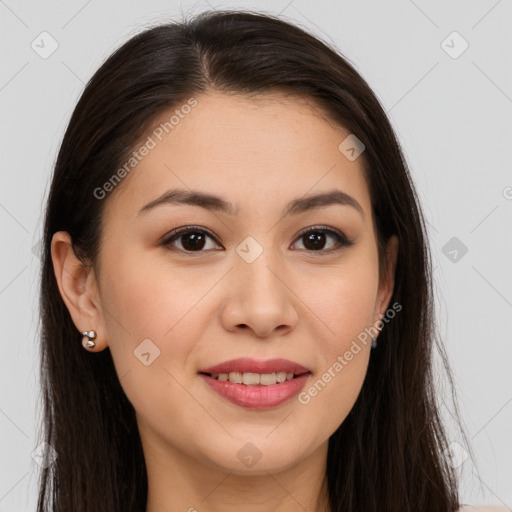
{"points": [[236, 288]]}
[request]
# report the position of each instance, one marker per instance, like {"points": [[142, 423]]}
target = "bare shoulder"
{"points": [[484, 508]]}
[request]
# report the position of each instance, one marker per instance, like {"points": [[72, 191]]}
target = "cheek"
{"points": [[145, 297], [344, 299], [344, 304], [151, 324], [152, 306]]}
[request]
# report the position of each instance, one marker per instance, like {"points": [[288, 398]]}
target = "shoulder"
{"points": [[483, 508]]}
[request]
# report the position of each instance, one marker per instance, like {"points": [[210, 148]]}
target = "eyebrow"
{"points": [[216, 203]]}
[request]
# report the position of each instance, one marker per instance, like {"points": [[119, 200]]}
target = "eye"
{"points": [[314, 239], [195, 239], [191, 238]]}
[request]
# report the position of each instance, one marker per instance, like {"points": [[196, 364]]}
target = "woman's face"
{"points": [[260, 280]]}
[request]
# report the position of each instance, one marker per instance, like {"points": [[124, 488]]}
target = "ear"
{"points": [[387, 280], [78, 288]]}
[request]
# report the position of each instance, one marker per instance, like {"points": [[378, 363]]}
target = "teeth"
{"points": [[250, 379], [236, 377], [281, 376], [267, 379], [253, 379]]}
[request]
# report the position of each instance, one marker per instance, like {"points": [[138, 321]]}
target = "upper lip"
{"points": [[248, 365]]}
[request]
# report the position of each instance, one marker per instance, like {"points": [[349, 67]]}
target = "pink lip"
{"points": [[249, 365], [257, 397]]}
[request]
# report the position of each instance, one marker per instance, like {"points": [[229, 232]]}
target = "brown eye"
{"points": [[191, 239], [315, 239]]}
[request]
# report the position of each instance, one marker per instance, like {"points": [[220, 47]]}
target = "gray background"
{"points": [[452, 116]]}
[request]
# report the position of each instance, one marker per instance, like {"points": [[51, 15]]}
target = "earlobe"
{"points": [[77, 286]]}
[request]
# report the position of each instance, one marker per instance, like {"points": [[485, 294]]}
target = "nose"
{"points": [[259, 299]]}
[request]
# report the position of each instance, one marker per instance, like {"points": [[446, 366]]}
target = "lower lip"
{"points": [[257, 397]]}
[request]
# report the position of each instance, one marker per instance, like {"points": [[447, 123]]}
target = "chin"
{"points": [[258, 456]]}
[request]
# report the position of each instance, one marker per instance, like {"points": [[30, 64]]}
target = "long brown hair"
{"points": [[388, 454]]}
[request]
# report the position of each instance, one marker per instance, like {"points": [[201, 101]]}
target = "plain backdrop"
{"points": [[442, 70]]}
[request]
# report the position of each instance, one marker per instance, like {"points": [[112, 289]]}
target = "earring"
{"points": [[88, 339]]}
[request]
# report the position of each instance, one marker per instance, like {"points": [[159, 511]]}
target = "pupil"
{"points": [[312, 240], [193, 240]]}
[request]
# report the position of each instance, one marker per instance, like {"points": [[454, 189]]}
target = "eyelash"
{"points": [[338, 236]]}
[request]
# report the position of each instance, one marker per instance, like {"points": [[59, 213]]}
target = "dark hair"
{"points": [[387, 455]]}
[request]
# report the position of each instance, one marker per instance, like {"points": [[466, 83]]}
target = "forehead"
{"points": [[266, 146]]}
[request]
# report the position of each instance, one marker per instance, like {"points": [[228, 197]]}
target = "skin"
{"points": [[203, 308]]}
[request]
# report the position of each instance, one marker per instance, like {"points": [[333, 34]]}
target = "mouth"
{"points": [[257, 391], [255, 379], [256, 383]]}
